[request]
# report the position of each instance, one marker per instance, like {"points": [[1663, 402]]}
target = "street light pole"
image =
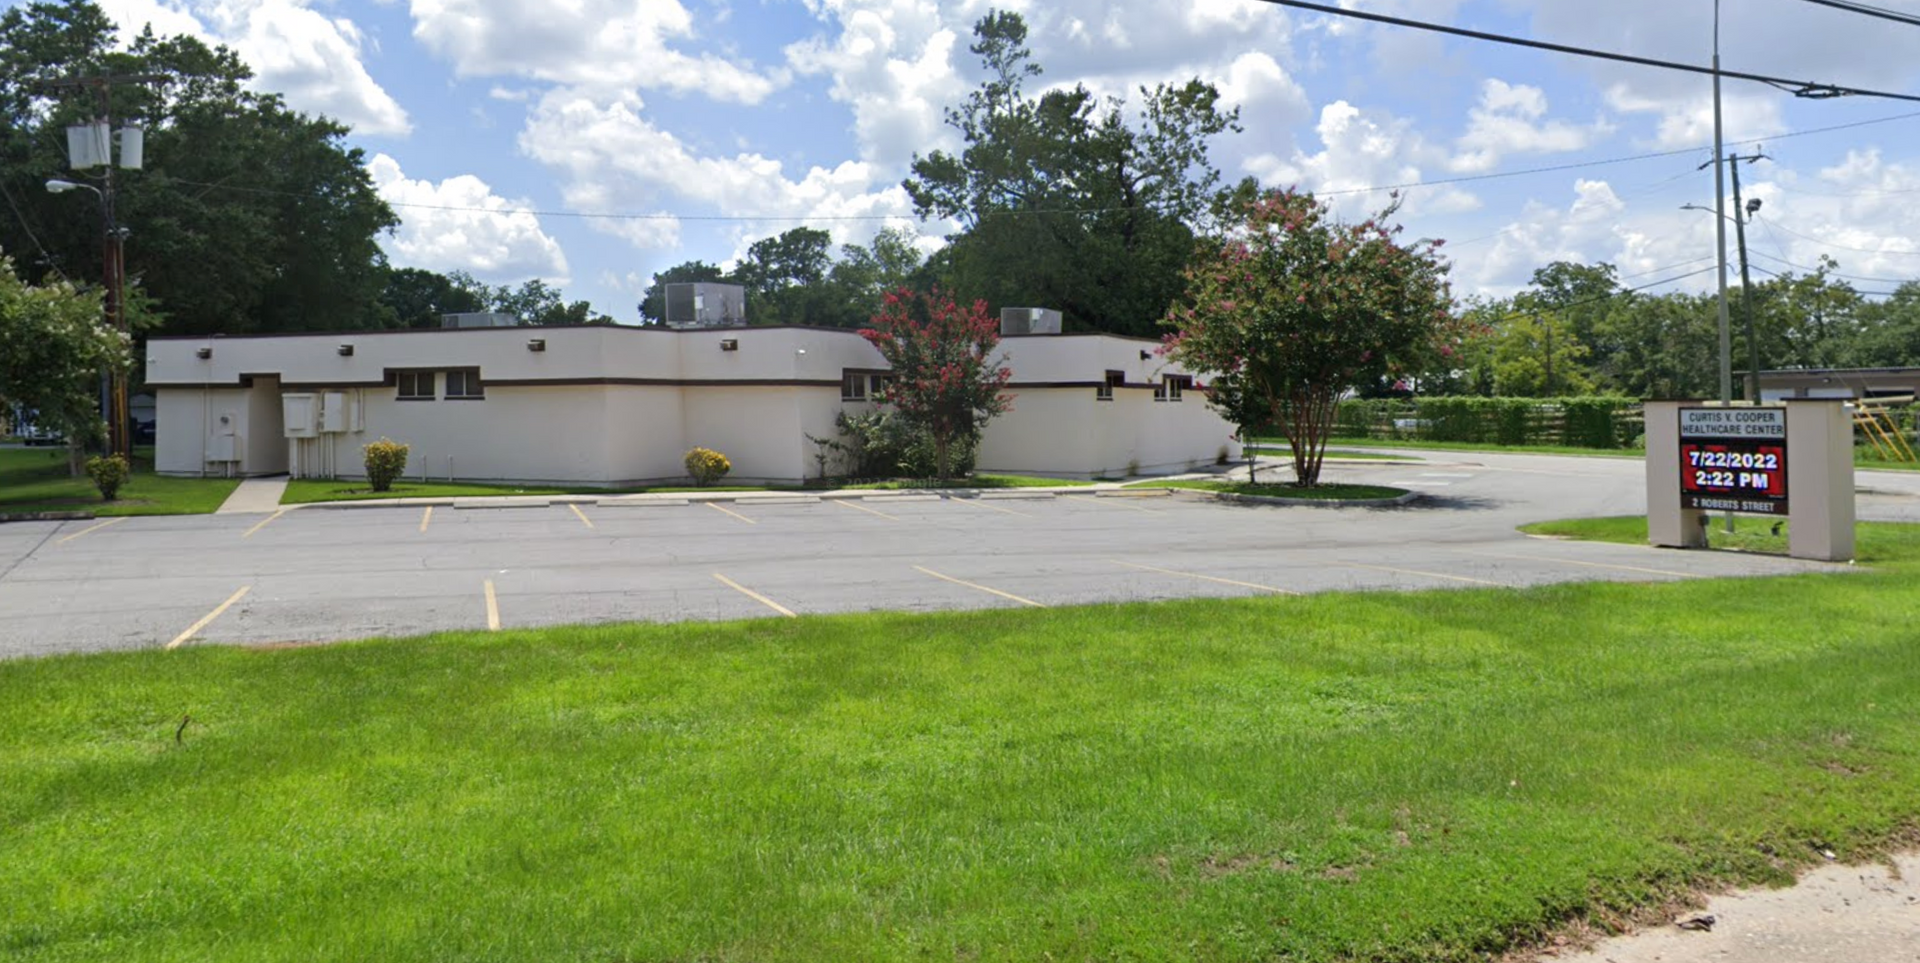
{"points": [[1720, 228], [1720, 224], [1740, 214], [113, 388]]}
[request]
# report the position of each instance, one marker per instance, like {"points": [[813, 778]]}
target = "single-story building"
{"points": [[615, 405], [1861, 383]]}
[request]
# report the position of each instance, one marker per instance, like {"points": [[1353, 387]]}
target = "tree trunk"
{"points": [[1306, 417], [940, 444]]}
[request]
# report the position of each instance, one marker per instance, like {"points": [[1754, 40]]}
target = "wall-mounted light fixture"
{"points": [[346, 351], [1146, 355], [536, 344], [729, 344], [203, 353]]}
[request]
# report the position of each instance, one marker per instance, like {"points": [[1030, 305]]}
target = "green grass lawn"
{"points": [[971, 481], [1873, 541], [1322, 492], [1381, 776], [36, 480]]}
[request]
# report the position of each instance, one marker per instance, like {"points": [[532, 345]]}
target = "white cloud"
{"points": [[1363, 149], [611, 44], [460, 224], [313, 60], [892, 65], [1508, 121], [612, 159]]}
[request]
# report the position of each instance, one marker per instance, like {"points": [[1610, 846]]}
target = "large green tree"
{"points": [[248, 216], [53, 348], [1294, 308], [1062, 201]]}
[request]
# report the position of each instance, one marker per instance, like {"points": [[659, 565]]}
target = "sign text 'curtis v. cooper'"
{"points": [[1734, 459]]}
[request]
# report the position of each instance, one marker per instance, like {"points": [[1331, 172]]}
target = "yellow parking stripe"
{"points": [[263, 523], [862, 508], [756, 596], [1570, 561], [493, 607], [1115, 502], [584, 520], [1415, 571], [977, 503], [1207, 578], [425, 517], [983, 588], [92, 528], [729, 511], [207, 619]]}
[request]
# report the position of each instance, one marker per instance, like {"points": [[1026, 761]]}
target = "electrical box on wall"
{"points": [[300, 415], [333, 412]]}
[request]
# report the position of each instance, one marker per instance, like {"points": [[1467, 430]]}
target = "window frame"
{"points": [[854, 386], [473, 389], [1105, 390], [429, 393]]}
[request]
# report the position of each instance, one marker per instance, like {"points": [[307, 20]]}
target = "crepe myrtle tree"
{"points": [[945, 382], [1292, 308]]}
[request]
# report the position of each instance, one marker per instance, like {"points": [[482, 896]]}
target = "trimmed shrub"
{"points": [[108, 474], [386, 461], [707, 466]]}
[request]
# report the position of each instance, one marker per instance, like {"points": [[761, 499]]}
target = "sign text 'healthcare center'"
{"points": [[1734, 459]]}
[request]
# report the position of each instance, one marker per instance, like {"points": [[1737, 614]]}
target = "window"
{"points": [[464, 383], [1105, 391], [1171, 387], [415, 385], [853, 386], [878, 384]]}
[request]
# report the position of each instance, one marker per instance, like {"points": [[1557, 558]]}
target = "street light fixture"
{"points": [[113, 385]]}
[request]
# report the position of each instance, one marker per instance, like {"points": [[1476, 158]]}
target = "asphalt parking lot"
{"points": [[315, 574]]}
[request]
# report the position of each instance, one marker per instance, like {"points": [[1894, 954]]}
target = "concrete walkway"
{"points": [[255, 496], [1835, 914]]}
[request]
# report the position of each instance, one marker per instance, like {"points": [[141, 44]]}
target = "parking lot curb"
{"points": [[1395, 501], [45, 516]]}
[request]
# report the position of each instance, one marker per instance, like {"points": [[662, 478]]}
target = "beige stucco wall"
{"points": [[635, 400], [192, 416]]}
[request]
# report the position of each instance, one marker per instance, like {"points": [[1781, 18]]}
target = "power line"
{"points": [[1865, 10], [725, 218], [1837, 247], [1837, 274], [1799, 88], [45, 257], [1873, 294], [1623, 291]]}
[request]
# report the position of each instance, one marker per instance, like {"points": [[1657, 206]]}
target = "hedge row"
{"points": [[1590, 422]]}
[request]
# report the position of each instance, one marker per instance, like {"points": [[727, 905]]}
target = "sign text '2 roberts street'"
{"points": [[1734, 459]]}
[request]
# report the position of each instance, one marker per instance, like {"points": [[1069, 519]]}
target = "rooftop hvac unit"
{"points": [[1029, 321], [479, 319], [705, 304]]}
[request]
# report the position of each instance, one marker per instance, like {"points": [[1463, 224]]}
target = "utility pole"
{"points": [[1740, 215], [1720, 225], [113, 250], [1548, 328]]}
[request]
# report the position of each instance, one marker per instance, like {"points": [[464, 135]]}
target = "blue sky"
{"points": [[687, 129]]}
